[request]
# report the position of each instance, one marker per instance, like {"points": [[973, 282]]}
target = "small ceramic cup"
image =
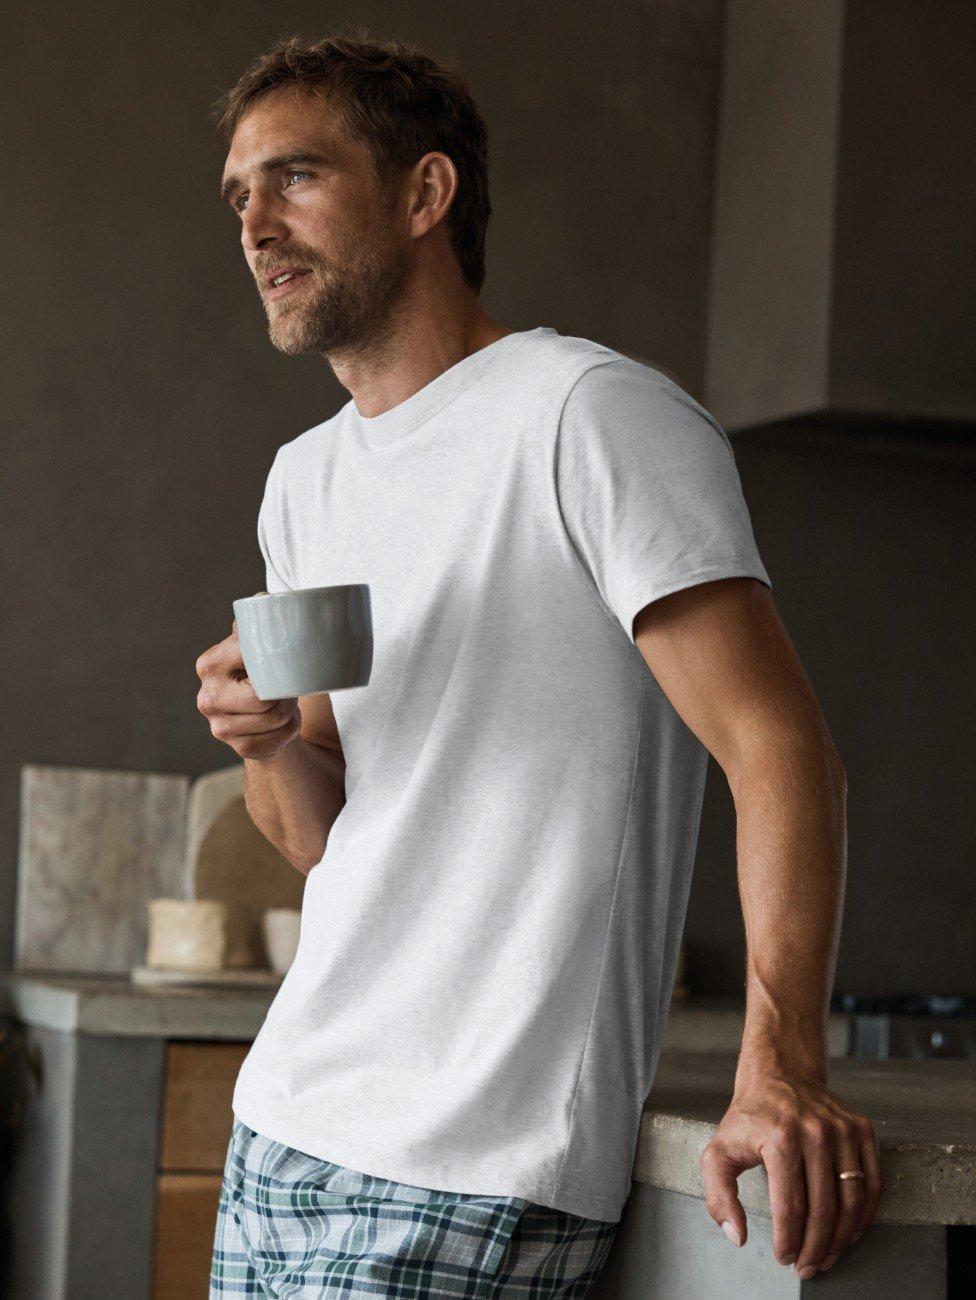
{"points": [[187, 934], [305, 641], [282, 926]]}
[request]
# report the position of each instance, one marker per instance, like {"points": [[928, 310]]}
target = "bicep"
{"points": [[720, 653]]}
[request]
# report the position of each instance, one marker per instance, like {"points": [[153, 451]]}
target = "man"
{"points": [[498, 830]]}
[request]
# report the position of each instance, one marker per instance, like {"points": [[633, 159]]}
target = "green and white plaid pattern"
{"points": [[293, 1225]]}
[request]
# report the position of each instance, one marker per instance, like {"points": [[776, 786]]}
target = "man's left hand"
{"points": [[805, 1137]]}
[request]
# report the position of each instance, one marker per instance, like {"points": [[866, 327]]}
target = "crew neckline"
{"points": [[437, 392]]}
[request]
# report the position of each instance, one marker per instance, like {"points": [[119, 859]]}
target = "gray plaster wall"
{"points": [[901, 337], [842, 268]]}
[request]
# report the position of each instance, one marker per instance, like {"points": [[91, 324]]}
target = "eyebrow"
{"points": [[231, 184]]}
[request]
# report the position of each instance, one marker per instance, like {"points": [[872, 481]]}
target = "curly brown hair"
{"points": [[398, 103]]}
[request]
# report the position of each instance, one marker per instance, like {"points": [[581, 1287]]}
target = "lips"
{"points": [[278, 291]]}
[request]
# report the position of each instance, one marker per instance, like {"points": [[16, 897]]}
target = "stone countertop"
{"points": [[113, 1004], [924, 1113], [714, 1024]]}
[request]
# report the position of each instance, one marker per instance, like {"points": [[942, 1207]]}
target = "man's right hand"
{"points": [[255, 729]]}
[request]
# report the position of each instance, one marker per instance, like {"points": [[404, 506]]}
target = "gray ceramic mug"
{"points": [[301, 642]]}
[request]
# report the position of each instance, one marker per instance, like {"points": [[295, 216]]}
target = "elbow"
{"points": [[811, 758], [836, 783], [837, 768]]}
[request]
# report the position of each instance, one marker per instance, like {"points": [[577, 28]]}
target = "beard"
{"points": [[345, 307]]}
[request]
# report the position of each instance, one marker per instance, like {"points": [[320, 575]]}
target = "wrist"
{"points": [[282, 760], [784, 1035], [801, 1057]]}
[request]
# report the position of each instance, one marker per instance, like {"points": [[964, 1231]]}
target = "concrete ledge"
{"points": [[710, 1024], [923, 1113], [114, 1005]]}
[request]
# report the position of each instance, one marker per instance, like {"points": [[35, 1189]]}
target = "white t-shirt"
{"points": [[488, 943]]}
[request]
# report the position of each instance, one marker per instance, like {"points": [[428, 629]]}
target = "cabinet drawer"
{"points": [[186, 1219], [197, 1116]]}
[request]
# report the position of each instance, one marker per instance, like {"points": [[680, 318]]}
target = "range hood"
{"points": [[843, 274]]}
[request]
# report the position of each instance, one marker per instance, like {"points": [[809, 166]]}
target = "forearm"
{"points": [[791, 844], [294, 799]]}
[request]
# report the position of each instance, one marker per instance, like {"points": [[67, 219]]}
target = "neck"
{"points": [[417, 347]]}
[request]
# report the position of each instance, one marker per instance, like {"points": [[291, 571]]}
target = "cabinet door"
{"points": [[197, 1117], [196, 1123], [186, 1218]]}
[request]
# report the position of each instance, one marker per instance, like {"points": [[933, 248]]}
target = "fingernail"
{"points": [[807, 1272], [829, 1262], [788, 1261], [729, 1230]]}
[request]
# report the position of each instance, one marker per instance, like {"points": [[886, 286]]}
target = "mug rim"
{"points": [[301, 591]]}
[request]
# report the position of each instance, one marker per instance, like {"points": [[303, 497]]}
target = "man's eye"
{"points": [[238, 202]]}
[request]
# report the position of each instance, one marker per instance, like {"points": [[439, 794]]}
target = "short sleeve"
{"points": [[270, 532], [648, 489]]}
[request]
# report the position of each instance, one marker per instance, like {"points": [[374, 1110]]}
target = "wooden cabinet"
{"points": [[186, 1213], [117, 1159], [194, 1131], [196, 1114]]}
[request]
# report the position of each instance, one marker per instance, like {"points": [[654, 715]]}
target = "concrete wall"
{"points": [[142, 401], [901, 328], [842, 269]]}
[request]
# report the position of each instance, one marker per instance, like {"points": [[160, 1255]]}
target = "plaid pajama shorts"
{"points": [[289, 1224]]}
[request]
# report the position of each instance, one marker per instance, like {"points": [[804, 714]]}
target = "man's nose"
{"points": [[261, 221]]}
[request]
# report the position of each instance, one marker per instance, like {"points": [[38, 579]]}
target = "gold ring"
{"points": [[852, 1173]]}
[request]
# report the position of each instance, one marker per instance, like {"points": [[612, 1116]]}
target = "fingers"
{"points": [[805, 1137], [815, 1214], [870, 1162], [253, 728], [849, 1191], [820, 1177], [720, 1173], [273, 715], [234, 695], [787, 1193], [221, 659], [225, 687], [258, 744]]}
